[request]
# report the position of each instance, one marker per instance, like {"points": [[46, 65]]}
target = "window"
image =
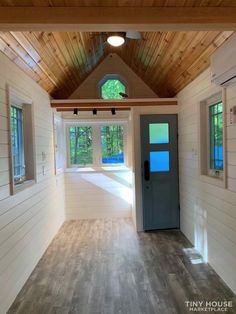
{"points": [[212, 150], [112, 144], [17, 144], [216, 136], [21, 142], [112, 88], [158, 133], [81, 150], [159, 161], [96, 144]]}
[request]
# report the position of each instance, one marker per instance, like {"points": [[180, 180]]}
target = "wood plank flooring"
{"points": [[105, 267]]}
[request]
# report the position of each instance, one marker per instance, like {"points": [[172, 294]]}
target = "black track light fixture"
{"points": [[75, 112], [113, 111], [95, 111]]}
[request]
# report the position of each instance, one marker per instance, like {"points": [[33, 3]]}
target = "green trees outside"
{"points": [[81, 144], [111, 89], [17, 143], [216, 136], [112, 144], [81, 149]]}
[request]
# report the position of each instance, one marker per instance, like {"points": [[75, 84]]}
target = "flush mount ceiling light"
{"points": [[116, 40]]}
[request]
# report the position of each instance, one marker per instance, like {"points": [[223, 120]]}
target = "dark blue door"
{"points": [[159, 157]]}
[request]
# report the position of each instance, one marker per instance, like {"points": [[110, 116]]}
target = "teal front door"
{"points": [[159, 162]]}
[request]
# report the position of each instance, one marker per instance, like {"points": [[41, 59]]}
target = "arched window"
{"points": [[111, 88]]}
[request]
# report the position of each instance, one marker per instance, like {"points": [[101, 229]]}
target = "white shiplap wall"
{"points": [[208, 212], [29, 219], [95, 195]]}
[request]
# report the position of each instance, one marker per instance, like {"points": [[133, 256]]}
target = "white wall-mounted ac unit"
{"points": [[223, 63]]}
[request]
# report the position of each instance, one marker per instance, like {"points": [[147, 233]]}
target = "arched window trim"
{"points": [[111, 77]]}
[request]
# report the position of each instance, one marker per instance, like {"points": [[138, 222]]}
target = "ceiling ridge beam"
{"points": [[117, 18]]}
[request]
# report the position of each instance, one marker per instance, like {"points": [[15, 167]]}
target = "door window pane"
{"points": [[80, 141], [159, 161], [112, 139], [216, 136], [159, 133]]}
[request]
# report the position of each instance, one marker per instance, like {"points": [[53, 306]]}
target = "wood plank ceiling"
{"points": [[60, 61], [115, 3]]}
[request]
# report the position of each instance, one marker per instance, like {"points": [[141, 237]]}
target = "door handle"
{"points": [[146, 170]]}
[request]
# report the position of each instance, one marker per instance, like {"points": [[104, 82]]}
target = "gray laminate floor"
{"points": [[104, 266]]}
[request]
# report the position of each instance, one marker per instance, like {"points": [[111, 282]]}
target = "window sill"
{"points": [[59, 171], [22, 186], [97, 169], [220, 182]]}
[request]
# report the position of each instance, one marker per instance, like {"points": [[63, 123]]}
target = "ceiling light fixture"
{"points": [[113, 111], [116, 40], [75, 112]]}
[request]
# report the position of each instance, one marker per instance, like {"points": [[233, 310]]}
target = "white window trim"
{"points": [[97, 164], [206, 174], [17, 99]]}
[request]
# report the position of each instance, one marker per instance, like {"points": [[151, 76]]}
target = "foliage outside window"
{"points": [[216, 136], [106, 147], [111, 89], [112, 144], [17, 134], [81, 150]]}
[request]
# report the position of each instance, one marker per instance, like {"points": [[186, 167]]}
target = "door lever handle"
{"points": [[146, 170]]}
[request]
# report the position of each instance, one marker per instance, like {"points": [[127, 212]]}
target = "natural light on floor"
{"points": [[193, 255], [104, 182]]}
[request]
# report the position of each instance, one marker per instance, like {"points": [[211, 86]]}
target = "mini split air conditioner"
{"points": [[223, 63]]}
